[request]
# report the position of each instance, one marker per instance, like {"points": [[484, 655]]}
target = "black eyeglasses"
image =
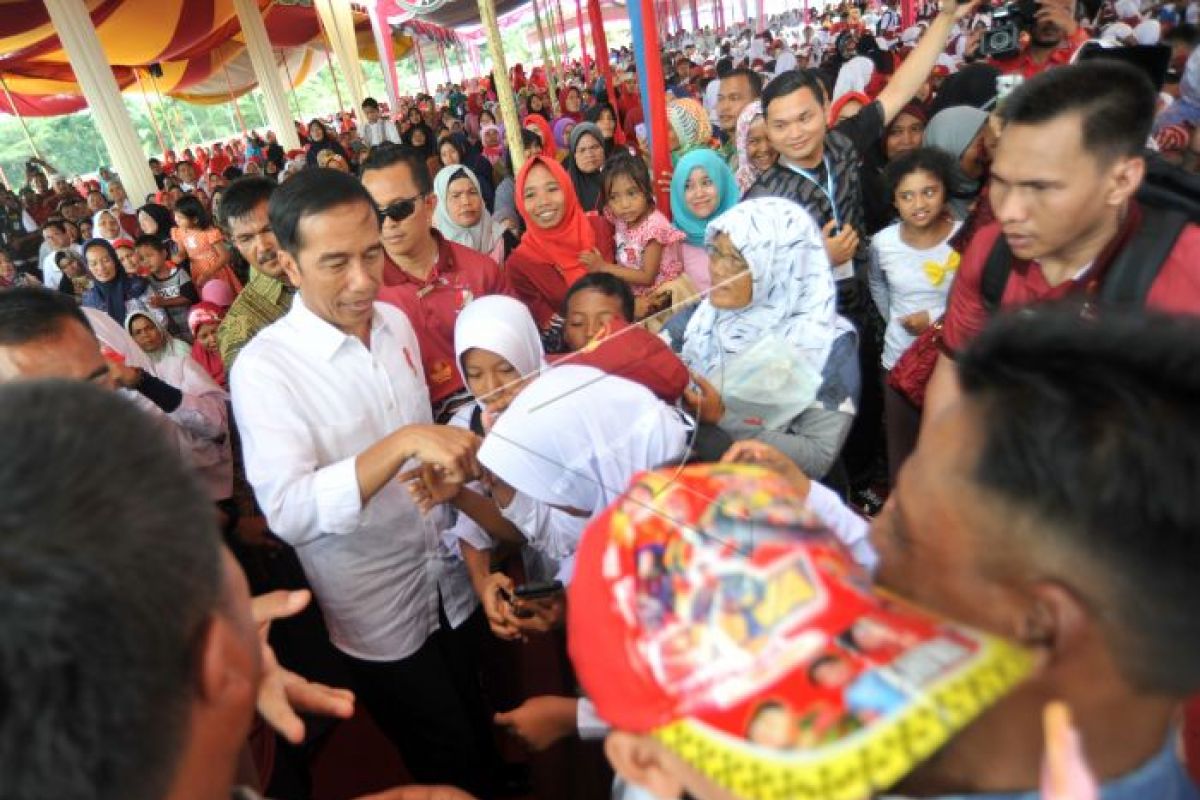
{"points": [[399, 210]]}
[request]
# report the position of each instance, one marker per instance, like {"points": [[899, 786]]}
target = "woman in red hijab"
{"points": [[539, 125], [557, 231]]}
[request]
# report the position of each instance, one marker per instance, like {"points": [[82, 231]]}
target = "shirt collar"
{"points": [[320, 337], [445, 265]]}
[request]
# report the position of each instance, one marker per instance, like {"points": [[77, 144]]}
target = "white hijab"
{"points": [[854, 76], [501, 325], [576, 436], [793, 290], [483, 235], [96, 227], [1148, 31]]}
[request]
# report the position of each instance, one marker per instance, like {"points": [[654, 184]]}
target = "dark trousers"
{"points": [[903, 426], [864, 445], [424, 705]]}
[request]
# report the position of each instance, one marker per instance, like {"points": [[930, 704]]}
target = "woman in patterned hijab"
{"points": [[771, 278]]}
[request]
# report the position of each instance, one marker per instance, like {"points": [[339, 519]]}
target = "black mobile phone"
{"points": [[536, 591]]}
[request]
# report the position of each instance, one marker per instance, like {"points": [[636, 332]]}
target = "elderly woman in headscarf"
{"points": [[774, 302], [113, 291], [585, 163], [153, 338], [702, 189], [753, 154], [455, 149], [461, 215], [961, 133]]}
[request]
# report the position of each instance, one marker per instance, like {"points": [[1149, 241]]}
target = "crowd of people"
{"points": [[910, 307]]}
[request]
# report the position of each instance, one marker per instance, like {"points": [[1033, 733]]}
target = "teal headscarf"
{"points": [[720, 174]]}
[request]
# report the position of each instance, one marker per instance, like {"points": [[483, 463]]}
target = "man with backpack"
{"points": [[1081, 214]]}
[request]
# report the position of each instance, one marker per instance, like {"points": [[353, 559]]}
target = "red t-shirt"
{"points": [[1176, 289], [1023, 63], [460, 275], [540, 285]]}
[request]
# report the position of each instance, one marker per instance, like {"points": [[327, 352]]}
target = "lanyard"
{"points": [[829, 189]]}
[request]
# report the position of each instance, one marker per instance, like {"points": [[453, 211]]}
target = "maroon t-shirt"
{"points": [[1176, 289]]}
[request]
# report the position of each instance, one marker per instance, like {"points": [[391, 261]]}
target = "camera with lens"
{"points": [[1003, 38]]}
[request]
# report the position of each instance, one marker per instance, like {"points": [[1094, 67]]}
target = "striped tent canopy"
{"points": [[197, 44]]}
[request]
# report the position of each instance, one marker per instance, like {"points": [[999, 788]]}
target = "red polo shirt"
{"points": [[1176, 289], [460, 275]]}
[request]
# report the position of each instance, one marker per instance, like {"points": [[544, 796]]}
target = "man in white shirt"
{"points": [[713, 90], [376, 129], [57, 240], [785, 59], [332, 404]]}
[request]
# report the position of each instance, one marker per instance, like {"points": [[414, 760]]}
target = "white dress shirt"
{"points": [[711, 93], [308, 399], [376, 133]]}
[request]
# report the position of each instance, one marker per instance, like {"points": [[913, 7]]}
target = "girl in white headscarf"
{"points": [[461, 215], [773, 289], [153, 338], [498, 351], [854, 76], [106, 225]]}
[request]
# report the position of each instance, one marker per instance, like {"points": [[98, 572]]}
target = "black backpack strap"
{"points": [[1133, 271], [995, 275]]}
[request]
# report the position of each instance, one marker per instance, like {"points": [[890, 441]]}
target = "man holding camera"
{"points": [[1054, 36]]}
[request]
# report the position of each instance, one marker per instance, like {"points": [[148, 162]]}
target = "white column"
{"points": [[262, 57], [75, 31], [338, 22], [387, 54]]}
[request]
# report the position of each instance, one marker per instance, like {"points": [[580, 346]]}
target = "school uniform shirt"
{"points": [[1175, 290], [459, 276], [844, 145], [308, 399], [905, 280]]}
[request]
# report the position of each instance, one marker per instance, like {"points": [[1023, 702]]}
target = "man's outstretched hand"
{"points": [[282, 694]]}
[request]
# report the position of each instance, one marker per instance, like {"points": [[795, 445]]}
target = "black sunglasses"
{"points": [[399, 210]]}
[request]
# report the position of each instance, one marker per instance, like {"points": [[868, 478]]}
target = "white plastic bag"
{"points": [[767, 385]]}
